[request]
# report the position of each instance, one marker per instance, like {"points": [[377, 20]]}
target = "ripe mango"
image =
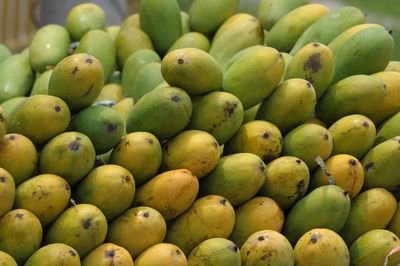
{"points": [[215, 251], [110, 93], [162, 254], [131, 21], [7, 192], [123, 107], [7, 260], [54, 254], [108, 254], [191, 40], [389, 129], [112, 31]]}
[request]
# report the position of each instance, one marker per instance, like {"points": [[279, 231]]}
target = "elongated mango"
{"points": [[389, 129], [147, 79]]}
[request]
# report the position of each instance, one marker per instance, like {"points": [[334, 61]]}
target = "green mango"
{"points": [[250, 114], [131, 21], [54, 254], [112, 31], [147, 79], [191, 40], [41, 85], [389, 129], [4, 52], [185, 22], [48, 47]]}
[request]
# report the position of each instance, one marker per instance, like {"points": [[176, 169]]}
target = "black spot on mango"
{"points": [[313, 63]]}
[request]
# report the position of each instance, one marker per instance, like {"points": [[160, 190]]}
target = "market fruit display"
{"points": [[196, 134]]}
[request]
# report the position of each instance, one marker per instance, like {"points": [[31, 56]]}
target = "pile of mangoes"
{"points": [[203, 138]]}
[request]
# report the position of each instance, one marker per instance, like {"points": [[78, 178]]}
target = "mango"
{"points": [[259, 213], [3, 124], [287, 180], [77, 79], [41, 85], [250, 114], [389, 129], [162, 254], [209, 217], [316, 121], [185, 23], [7, 260], [225, 43], [84, 17], [7, 192], [162, 112], [82, 226], [137, 229], [4, 52], [393, 66], [131, 21], [14, 149], [115, 78], [110, 93], [394, 225], [191, 40], [217, 12], [258, 137], [324, 207], [48, 47], [161, 20], [70, 155], [253, 73], [21, 234], [289, 105], [267, 247], [9, 105], [108, 254], [322, 247], [146, 80], [124, 107], [366, 94], [112, 31], [215, 251], [54, 254]]}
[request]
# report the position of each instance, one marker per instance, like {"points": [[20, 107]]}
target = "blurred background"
{"points": [[20, 18]]}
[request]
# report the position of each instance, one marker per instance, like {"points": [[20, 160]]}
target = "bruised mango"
{"points": [[162, 254], [7, 192], [215, 251], [54, 254], [108, 254]]}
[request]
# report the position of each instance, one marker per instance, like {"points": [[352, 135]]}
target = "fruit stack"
{"points": [[204, 138]]}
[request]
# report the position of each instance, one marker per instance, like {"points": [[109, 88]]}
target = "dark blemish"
{"points": [[2, 179], [266, 256], [326, 136], [146, 214], [57, 108], [390, 32], [109, 253], [316, 44], [127, 143], [298, 161], [2, 118], [181, 61], [175, 98], [261, 238], [12, 137], [262, 167], [203, 162], [166, 149], [313, 63], [223, 201], [300, 187], [111, 127], [86, 223], [280, 55], [73, 253], [345, 192], [309, 79], [178, 252], [74, 146], [89, 60], [309, 84], [313, 239], [150, 198], [19, 215], [78, 138], [394, 239], [66, 187], [88, 91], [365, 124], [33, 194], [248, 253], [268, 157], [352, 162], [150, 141], [76, 69], [127, 178], [369, 166], [230, 108], [265, 135]]}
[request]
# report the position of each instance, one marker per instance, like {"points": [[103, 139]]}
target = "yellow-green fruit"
{"points": [[286, 181], [7, 260], [347, 172], [381, 165], [267, 247], [21, 234], [4, 53], [112, 31], [124, 107], [54, 255], [347, 133], [7, 192], [83, 227], [70, 155], [185, 23], [9, 105], [77, 79], [137, 229], [389, 129], [253, 73], [258, 137], [271, 11], [99, 44], [45, 195], [3, 124], [365, 93], [171, 193], [394, 225], [314, 62], [215, 251], [41, 85], [393, 66], [84, 17], [195, 150], [375, 202], [40, 118], [130, 40], [192, 70], [225, 42], [289, 104], [284, 34], [48, 47], [371, 248], [315, 120], [106, 255], [131, 21], [14, 149], [237, 177], [111, 92], [217, 12], [307, 142], [324, 207], [391, 102], [140, 153], [210, 216], [218, 113], [109, 187], [321, 247], [147, 79], [250, 114], [259, 213], [162, 254], [191, 40]]}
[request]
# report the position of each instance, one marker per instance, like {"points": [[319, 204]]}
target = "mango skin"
{"points": [[324, 207], [123, 107], [48, 47], [217, 12], [237, 177], [21, 233], [4, 52], [287, 180], [112, 31], [54, 254], [259, 213], [394, 225], [162, 254], [393, 66], [185, 22], [389, 129], [110, 92], [210, 216], [253, 73], [321, 247], [191, 40], [7, 260], [215, 251], [193, 70], [85, 17], [3, 124], [137, 229], [7, 192], [371, 248], [41, 85], [146, 80], [131, 21], [171, 193], [108, 254], [267, 246]]}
